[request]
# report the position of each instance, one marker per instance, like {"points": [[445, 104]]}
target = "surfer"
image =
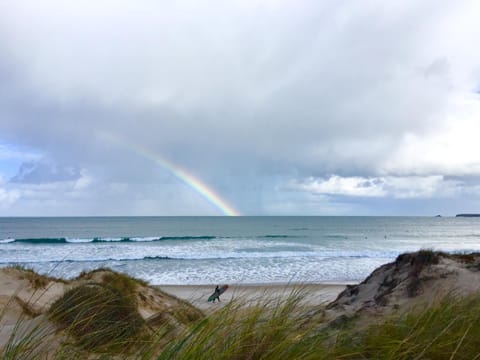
{"points": [[217, 294], [219, 290]]}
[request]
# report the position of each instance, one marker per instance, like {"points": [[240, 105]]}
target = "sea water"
{"points": [[213, 250]]}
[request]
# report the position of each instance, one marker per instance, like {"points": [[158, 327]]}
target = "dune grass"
{"points": [[100, 318], [448, 330], [37, 281], [29, 340], [101, 321], [266, 330], [112, 276]]}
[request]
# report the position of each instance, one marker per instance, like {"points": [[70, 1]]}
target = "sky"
{"points": [[273, 107]]}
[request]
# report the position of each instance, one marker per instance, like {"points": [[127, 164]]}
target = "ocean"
{"points": [[241, 250]]}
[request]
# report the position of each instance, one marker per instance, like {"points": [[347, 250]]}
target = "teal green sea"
{"points": [[208, 250]]}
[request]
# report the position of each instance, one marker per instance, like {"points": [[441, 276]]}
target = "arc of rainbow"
{"points": [[193, 182]]}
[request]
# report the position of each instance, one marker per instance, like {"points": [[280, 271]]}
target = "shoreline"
{"points": [[251, 294]]}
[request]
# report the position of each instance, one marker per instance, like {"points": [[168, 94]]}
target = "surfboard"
{"points": [[221, 290]]}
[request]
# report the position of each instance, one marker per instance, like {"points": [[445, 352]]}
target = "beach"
{"points": [[197, 295], [127, 316]]}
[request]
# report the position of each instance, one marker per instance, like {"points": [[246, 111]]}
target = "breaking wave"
{"points": [[64, 240], [67, 240]]}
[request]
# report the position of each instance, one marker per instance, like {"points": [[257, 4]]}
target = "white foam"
{"points": [[194, 250], [70, 240], [146, 239], [110, 239], [265, 271]]}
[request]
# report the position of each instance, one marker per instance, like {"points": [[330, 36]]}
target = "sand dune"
{"points": [[412, 279]]}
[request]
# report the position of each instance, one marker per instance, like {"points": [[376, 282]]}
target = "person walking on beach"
{"points": [[217, 294], [219, 290]]}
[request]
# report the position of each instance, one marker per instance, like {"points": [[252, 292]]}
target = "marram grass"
{"points": [[449, 330], [265, 330], [99, 317]]}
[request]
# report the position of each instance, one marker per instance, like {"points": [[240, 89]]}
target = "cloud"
{"points": [[394, 187], [246, 95], [7, 198], [9, 152], [451, 148], [348, 186], [44, 172]]}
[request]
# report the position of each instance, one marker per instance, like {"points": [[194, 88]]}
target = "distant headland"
{"points": [[467, 215]]}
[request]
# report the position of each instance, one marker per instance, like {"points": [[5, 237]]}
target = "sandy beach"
{"points": [[197, 295]]}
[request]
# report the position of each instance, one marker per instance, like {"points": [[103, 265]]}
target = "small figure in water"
{"points": [[217, 294]]}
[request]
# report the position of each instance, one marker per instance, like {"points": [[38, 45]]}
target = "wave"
{"points": [[335, 236], [204, 237], [64, 240], [274, 236], [209, 257], [41, 240], [31, 261], [280, 236]]}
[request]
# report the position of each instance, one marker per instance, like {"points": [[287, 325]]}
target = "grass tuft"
{"points": [[36, 280], [89, 275], [100, 318], [418, 261], [427, 257], [122, 283]]}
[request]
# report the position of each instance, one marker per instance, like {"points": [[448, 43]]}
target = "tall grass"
{"points": [[29, 340], [449, 330], [100, 318], [36, 280], [102, 325], [267, 330]]}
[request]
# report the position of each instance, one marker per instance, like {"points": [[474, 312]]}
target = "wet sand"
{"points": [[197, 295]]}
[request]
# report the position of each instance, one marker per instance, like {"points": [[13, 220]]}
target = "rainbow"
{"points": [[193, 182]]}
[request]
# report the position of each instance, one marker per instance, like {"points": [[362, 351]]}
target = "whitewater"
{"points": [[242, 250]]}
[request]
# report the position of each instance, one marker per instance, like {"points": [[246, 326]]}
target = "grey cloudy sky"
{"points": [[280, 107]]}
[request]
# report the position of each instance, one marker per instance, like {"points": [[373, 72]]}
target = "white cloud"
{"points": [[452, 148], [348, 186], [7, 197], [43, 194], [84, 181], [394, 187]]}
